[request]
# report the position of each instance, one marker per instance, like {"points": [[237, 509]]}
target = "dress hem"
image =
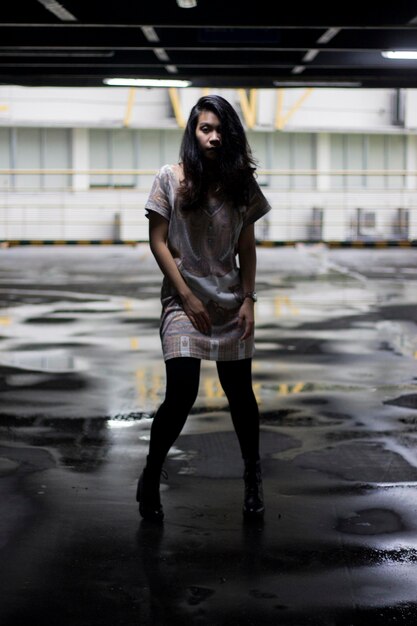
{"points": [[205, 358]]}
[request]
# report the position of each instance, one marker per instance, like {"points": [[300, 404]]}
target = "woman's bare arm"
{"points": [[193, 307], [247, 263]]}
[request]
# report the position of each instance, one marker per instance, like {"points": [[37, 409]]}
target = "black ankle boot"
{"points": [[147, 495], [253, 506]]}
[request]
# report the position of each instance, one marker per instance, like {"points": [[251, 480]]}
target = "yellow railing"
{"points": [[261, 171]]}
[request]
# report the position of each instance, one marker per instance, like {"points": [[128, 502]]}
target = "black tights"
{"points": [[182, 381]]}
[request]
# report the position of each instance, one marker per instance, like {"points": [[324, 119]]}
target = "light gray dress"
{"points": [[203, 244]]}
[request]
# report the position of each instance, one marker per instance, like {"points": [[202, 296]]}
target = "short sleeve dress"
{"points": [[203, 244]]}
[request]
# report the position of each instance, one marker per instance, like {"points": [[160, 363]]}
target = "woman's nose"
{"points": [[215, 137]]}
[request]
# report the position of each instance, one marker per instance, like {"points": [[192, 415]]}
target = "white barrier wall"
{"points": [[292, 129], [119, 214], [335, 110]]}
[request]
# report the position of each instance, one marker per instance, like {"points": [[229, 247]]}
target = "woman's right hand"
{"points": [[196, 312]]}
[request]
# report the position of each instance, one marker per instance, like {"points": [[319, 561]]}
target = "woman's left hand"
{"points": [[247, 318]]}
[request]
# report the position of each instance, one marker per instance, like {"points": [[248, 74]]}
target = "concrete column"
{"points": [[80, 158], [411, 181], [323, 161], [411, 162], [333, 223]]}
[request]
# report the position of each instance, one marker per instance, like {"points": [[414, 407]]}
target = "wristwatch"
{"points": [[250, 294]]}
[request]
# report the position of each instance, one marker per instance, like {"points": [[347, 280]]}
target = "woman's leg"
{"points": [[182, 379], [236, 380]]}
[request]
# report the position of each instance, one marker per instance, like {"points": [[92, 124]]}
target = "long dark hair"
{"points": [[235, 166]]}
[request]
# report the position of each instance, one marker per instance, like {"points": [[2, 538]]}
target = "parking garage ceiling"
{"points": [[214, 44]]}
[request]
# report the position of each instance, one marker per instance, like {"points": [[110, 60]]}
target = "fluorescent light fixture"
{"points": [[315, 83], [310, 55], [400, 54], [298, 69], [187, 4], [161, 54], [328, 35], [146, 82], [150, 33], [58, 10]]}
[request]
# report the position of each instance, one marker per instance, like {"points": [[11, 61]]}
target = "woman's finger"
{"points": [[249, 326]]}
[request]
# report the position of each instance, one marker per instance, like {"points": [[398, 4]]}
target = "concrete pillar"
{"points": [[333, 223], [411, 182], [411, 162], [80, 158], [323, 159]]}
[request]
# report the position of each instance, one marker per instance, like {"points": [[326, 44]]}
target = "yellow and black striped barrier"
{"points": [[355, 243], [9, 243]]}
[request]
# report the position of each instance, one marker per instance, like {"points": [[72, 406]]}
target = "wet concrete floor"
{"points": [[81, 374]]}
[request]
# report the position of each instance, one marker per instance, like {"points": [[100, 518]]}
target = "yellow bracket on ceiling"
{"points": [[280, 119], [176, 105], [249, 106], [129, 106]]}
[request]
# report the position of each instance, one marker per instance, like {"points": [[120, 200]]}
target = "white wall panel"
{"points": [[334, 110], [92, 215], [332, 127], [410, 112], [5, 161], [56, 154], [28, 156]]}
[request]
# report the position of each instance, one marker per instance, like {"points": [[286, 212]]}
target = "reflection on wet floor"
{"points": [[335, 374]]}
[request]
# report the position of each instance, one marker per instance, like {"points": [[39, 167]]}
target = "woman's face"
{"points": [[209, 134]]}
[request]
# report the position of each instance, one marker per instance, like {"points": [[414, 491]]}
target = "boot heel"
{"points": [[147, 495], [253, 505]]}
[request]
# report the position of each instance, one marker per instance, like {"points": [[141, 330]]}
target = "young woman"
{"points": [[201, 217]]}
